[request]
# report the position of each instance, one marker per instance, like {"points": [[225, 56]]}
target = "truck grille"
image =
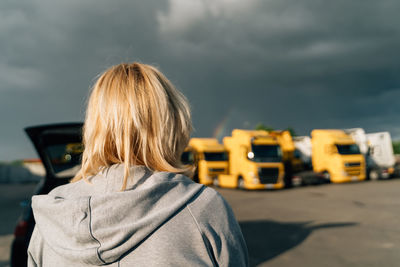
{"points": [[353, 168], [352, 164], [268, 175]]}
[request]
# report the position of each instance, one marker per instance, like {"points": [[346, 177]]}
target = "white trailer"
{"points": [[381, 156], [303, 148]]}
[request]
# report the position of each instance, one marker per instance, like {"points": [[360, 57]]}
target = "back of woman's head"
{"points": [[135, 116]]}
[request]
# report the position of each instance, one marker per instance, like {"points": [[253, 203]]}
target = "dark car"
{"points": [[59, 147]]}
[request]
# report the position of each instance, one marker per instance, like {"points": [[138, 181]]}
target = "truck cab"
{"points": [[210, 158], [337, 155], [255, 161]]}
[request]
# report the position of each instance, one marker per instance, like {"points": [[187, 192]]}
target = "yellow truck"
{"points": [[337, 156], [210, 158], [255, 161]]}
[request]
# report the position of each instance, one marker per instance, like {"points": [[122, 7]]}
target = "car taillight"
{"points": [[21, 229]]}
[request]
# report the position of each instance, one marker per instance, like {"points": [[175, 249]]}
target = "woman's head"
{"points": [[135, 116]]}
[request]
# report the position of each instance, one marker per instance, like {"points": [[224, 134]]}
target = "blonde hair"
{"points": [[135, 116]]}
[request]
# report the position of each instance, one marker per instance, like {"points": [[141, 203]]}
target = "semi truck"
{"points": [[337, 156], [210, 158], [255, 161]]}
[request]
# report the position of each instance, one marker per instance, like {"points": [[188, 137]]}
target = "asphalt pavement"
{"points": [[355, 224]]}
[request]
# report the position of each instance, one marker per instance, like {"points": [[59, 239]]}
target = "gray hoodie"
{"points": [[161, 219]]}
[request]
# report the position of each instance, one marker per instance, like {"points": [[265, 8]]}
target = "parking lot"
{"points": [[327, 225]]}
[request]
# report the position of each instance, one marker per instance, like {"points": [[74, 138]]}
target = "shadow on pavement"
{"points": [[267, 239]]}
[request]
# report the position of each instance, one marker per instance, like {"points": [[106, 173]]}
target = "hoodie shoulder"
{"points": [[211, 207], [221, 232], [76, 189]]}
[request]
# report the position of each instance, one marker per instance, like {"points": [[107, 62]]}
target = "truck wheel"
{"points": [[327, 176], [374, 175], [240, 183]]}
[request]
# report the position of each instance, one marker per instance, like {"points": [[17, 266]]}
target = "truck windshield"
{"points": [[348, 149], [265, 153], [215, 156]]}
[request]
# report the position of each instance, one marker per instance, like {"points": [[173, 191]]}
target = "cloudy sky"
{"points": [[304, 64]]}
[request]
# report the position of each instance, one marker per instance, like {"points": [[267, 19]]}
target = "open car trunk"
{"points": [[59, 147]]}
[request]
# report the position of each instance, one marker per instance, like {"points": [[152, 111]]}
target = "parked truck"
{"points": [[255, 161], [337, 156], [209, 157]]}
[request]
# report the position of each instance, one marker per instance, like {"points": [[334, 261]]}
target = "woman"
{"points": [[131, 203]]}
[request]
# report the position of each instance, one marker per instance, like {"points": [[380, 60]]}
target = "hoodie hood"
{"points": [[97, 224]]}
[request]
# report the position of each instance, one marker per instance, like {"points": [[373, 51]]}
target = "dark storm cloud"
{"points": [[306, 64]]}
